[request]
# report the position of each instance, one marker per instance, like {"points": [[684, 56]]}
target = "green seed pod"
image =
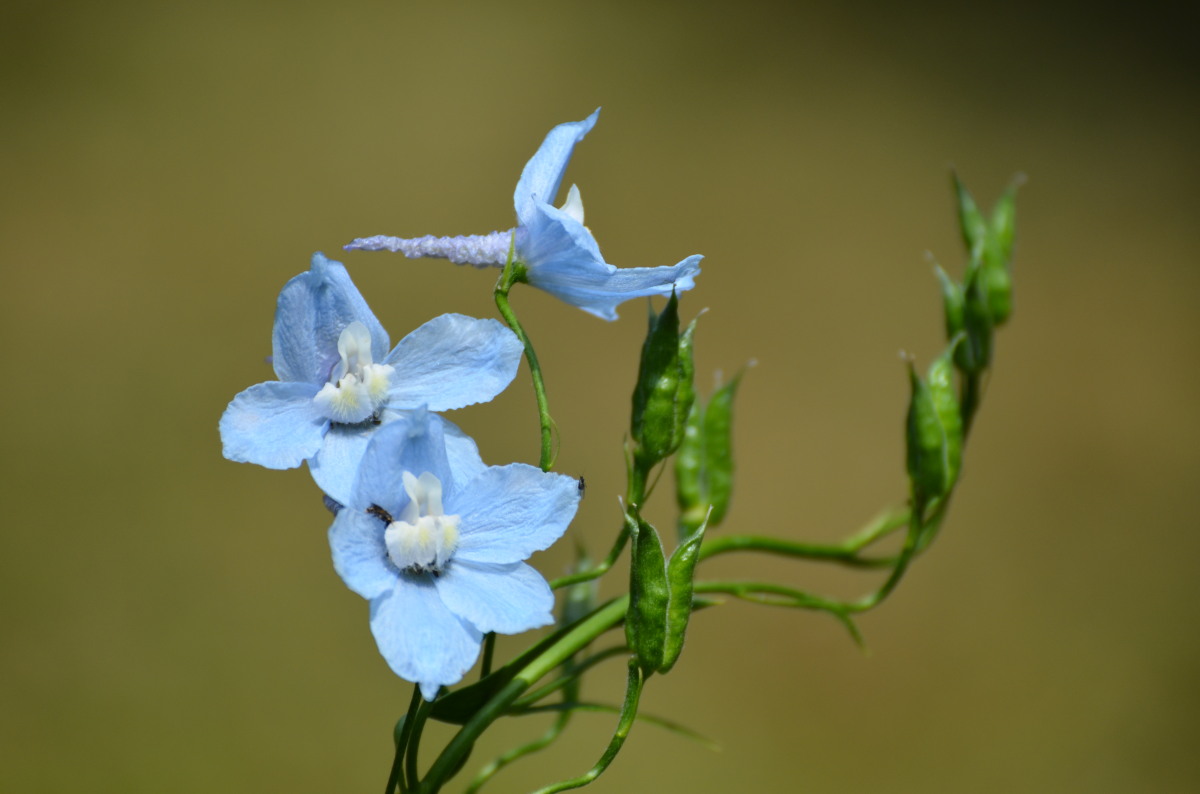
{"points": [[974, 355], [681, 570], [970, 220], [952, 303], [649, 595], [940, 380], [663, 396], [928, 468]]}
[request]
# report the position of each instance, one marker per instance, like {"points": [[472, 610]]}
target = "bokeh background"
{"points": [[170, 620]]}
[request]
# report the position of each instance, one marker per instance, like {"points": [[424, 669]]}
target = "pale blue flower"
{"points": [[558, 251], [441, 555], [338, 381]]}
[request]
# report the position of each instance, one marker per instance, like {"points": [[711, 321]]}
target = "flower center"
{"points": [[357, 387], [423, 538]]}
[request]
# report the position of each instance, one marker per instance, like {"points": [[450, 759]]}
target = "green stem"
{"points": [[576, 670], [845, 553], [514, 272], [600, 621], [633, 691], [489, 649], [840, 554], [401, 743], [414, 743], [969, 398], [601, 568]]}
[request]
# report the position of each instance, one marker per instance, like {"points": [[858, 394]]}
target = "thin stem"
{"points": [[489, 649], [576, 671], [906, 555], [513, 273], [601, 568], [971, 394], [414, 743], [845, 553], [517, 753], [600, 621], [401, 743], [633, 691]]}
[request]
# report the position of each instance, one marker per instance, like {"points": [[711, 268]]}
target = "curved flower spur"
{"points": [[338, 381], [440, 555], [557, 252]]}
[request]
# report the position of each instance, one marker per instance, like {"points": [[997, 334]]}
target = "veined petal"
{"points": [[310, 314], [600, 294], [421, 639], [543, 173], [509, 512], [335, 467], [554, 237], [273, 424], [452, 361], [411, 443], [504, 598], [359, 554]]}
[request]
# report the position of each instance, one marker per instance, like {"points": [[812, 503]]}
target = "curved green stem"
{"points": [[396, 777], [513, 273], [633, 692], [601, 568], [600, 621]]}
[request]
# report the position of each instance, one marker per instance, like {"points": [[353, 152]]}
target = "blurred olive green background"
{"points": [[171, 621]]}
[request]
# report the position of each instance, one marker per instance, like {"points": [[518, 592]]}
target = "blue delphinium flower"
{"points": [[441, 555], [338, 381], [559, 253]]}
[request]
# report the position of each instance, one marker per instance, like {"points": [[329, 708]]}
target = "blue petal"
{"points": [[509, 512], [359, 554], [310, 314], [273, 424], [335, 467], [452, 361], [553, 238], [420, 638], [544, 172], [600, 294], [504, 598], [414, 443]]}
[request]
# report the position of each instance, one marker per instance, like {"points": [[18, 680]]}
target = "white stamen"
{"points": [[423, 538], [573, 206], [357, 387]]}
